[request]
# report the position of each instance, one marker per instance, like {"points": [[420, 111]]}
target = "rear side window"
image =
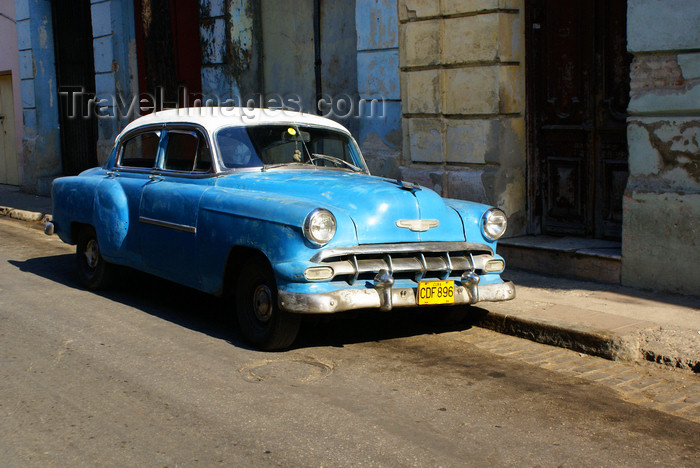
{"points": [[186, 151], [140, 151]]}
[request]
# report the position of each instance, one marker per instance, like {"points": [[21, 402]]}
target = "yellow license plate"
{"points": [[436, 292]]}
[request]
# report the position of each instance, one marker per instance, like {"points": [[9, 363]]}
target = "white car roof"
{"points": [[213, 118]]}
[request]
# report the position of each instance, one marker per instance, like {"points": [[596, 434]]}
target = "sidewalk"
{"points": [[20, 205], [606, 320]]}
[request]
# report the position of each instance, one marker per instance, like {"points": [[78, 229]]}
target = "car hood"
{"points": [[374, 204]]}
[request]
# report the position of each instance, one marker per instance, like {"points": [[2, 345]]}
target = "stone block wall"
{"points": [[379, 135], [41, 145], [661, 208], [463, 93], [116, 76]]}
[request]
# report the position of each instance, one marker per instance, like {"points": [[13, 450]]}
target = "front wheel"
{"points": [[94, 272], [262, 323]]}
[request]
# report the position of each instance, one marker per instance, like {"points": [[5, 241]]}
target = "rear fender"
{"points": [[73, 202]]}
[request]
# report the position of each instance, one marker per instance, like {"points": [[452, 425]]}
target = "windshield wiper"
{"points": [[334, 159], [272, 166]]}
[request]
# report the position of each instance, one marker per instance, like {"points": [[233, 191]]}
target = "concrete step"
{"points": [[568, 257]]}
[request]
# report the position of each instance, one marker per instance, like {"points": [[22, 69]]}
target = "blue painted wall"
{"points": [[41, 143], [380, 133], [116, 76]]}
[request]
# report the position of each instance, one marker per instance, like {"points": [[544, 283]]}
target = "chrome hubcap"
{"points": [[92, 253], [262, 303]]}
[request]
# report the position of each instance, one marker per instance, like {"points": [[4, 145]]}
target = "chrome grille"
{"points": [[416, 261]]}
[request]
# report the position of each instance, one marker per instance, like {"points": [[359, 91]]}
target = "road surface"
{"points": [[154, 374]]}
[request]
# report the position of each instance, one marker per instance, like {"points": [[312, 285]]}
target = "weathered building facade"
{"points": [[463, 95], [661, 218], [576, 118]]}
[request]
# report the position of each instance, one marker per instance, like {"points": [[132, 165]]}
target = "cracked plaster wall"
{"points": [[661, 208], [230, 36]]}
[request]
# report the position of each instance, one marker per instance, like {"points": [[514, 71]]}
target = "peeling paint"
{"points": [[512, 198], [43, 35], [240, 35], [680, 150], [50, 93]]}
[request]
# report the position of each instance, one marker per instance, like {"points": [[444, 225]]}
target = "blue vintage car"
{"points": [[277, 209]]}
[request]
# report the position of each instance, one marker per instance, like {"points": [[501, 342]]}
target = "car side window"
{"points": [[140, 151], [186, 151], [236, 149]]}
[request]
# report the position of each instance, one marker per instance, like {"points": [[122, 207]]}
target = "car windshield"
{"points": [[270, 146]]}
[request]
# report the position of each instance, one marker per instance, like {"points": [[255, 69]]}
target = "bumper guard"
{"points": [[385, 297]]}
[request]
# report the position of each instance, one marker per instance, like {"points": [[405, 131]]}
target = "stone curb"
{"points": [[600, 343], [23, 215]]}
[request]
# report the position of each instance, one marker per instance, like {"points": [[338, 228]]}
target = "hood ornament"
{"points": [[417, 225]]}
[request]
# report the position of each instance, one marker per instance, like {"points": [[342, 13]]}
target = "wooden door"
{"points": [[578, 91], [9, 173]]}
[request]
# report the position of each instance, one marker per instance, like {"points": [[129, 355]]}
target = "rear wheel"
{"points": [[94, 272], [262, 323]]}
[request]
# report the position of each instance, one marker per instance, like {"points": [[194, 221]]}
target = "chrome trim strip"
{"points": [[369, 298], [165, 224], [369, 249]]}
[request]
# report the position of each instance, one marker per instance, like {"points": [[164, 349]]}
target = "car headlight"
{"points": [[494, 223], [319, 226]]}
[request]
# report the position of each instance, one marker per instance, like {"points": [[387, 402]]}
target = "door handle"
{"points": [[112, 175], [155, 178]]}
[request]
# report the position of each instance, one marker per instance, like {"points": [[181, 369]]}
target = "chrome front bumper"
{"points": [[386, 298]]}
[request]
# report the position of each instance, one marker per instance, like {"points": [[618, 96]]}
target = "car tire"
{"points": [[261, 321], [94, 272]]}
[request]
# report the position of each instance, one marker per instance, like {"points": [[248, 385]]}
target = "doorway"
{"points": [[578, 92], [75, 77], [9, 173]]}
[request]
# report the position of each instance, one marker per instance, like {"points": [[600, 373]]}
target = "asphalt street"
{"points": [[154, 374]]}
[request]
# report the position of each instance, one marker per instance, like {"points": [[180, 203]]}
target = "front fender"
{"points": [[471, 214], [271, 224]]}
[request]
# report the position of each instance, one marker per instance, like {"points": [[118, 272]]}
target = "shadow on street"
{"points": [[215, 316]]}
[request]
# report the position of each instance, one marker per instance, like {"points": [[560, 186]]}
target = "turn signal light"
{"points": [[494, 265], [318, 273]]}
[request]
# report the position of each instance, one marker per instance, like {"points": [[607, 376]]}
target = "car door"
{"points": [[170, 205], [118, 197]]}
